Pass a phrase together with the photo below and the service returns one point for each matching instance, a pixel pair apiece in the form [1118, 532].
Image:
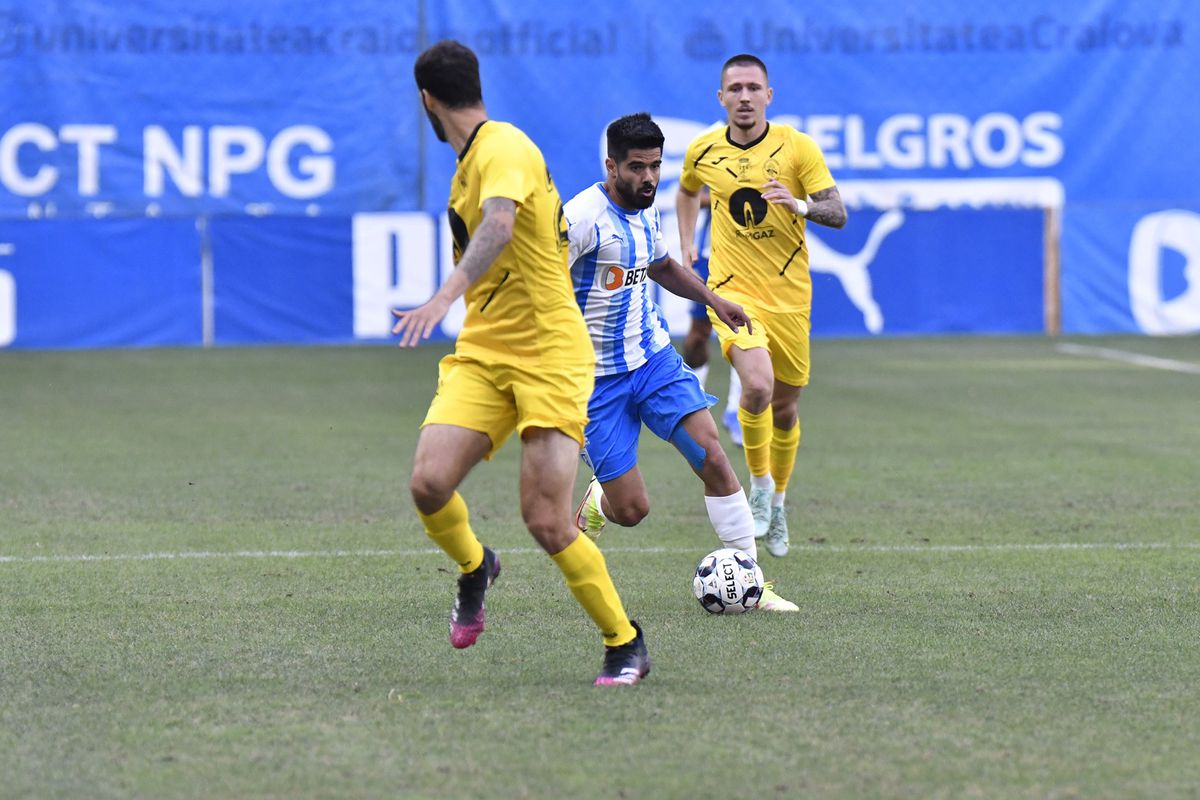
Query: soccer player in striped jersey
[767, 181]
[615, 246]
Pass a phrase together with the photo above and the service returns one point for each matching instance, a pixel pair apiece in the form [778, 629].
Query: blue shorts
[699, 310]
[659, 393]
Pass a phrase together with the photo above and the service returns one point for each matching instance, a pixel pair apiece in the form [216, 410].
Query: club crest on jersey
[771, 169]
[743, 167]
[615, 277]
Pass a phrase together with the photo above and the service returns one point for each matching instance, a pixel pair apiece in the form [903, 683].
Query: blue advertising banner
[1155, 290]
[900, 272]
[100, 283]
[153, 107]
[910, 273]
[291, 116]
[268, 290]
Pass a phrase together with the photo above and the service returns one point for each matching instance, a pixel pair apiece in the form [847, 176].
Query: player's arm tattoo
[492, 235]
[825, 208]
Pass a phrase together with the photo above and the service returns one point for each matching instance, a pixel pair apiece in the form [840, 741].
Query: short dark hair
[449, 71]
[743, 60]
[633, 131]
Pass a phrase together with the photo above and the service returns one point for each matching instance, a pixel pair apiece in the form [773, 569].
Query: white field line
[428, 551]
[1129, 358]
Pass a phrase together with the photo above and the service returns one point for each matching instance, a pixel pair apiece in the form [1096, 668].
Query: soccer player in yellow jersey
[523, 362]
[766, 182]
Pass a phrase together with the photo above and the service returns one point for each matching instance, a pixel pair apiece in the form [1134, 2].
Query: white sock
[731, 519]
[762, 482]
[777, 500]
[701, 373]
[735, 391]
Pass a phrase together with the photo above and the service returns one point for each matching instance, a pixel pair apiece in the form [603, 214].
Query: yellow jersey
[522, 309]
[759, 254]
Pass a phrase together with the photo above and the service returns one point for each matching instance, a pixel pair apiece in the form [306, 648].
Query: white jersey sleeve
[581, 232]
[660, 246]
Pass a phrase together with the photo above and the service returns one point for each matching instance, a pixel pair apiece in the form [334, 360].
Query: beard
[630, 197]
[438, 129]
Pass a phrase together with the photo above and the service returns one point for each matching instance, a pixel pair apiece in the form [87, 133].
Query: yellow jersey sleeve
[504, 171]
[811, 169]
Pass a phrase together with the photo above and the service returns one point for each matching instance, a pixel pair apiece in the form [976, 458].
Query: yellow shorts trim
[497, 398]
[784, 334]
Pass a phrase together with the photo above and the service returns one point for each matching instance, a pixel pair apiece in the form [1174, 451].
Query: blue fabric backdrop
[294, 129]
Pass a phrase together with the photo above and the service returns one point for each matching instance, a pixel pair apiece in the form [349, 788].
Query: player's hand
[417, 324]
[689, 254]
[731, 314]
[775, 192]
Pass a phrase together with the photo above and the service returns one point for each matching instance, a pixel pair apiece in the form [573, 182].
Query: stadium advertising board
[285, 135]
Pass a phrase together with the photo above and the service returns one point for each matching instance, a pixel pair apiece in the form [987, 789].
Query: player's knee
[756, 392]
[547, 527]
[714, 455]
[429, 492]
[630, 511]
[540, 522]
[783, 414]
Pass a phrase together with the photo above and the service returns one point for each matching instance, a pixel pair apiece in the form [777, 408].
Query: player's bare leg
[622, 500]
[445, 454]
[730, 418]
[757, 375]
[549, 460]
[707, 459]
[548, 463]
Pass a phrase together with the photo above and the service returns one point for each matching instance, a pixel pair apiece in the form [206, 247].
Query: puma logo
[851, 270]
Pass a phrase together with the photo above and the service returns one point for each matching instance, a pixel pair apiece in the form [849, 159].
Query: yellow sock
[756, 440]
[583, 566]
[450, 529]
[783, 455]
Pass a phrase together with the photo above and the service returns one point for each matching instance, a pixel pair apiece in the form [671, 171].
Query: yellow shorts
[496, 399]
[784, 334]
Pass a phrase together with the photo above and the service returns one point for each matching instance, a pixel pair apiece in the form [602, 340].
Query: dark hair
[743, 60]
[633, 131]
[449, 71]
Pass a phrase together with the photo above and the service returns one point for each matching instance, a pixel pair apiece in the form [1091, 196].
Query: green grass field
[212, 584]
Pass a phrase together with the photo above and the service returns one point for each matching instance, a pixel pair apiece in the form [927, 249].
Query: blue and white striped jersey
[610, 251]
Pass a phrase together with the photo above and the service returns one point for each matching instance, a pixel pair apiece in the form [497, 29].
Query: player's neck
[460, 125]
[746, 135]
[615, 198]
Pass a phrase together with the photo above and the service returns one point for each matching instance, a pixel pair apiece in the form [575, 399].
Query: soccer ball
[728, 581]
